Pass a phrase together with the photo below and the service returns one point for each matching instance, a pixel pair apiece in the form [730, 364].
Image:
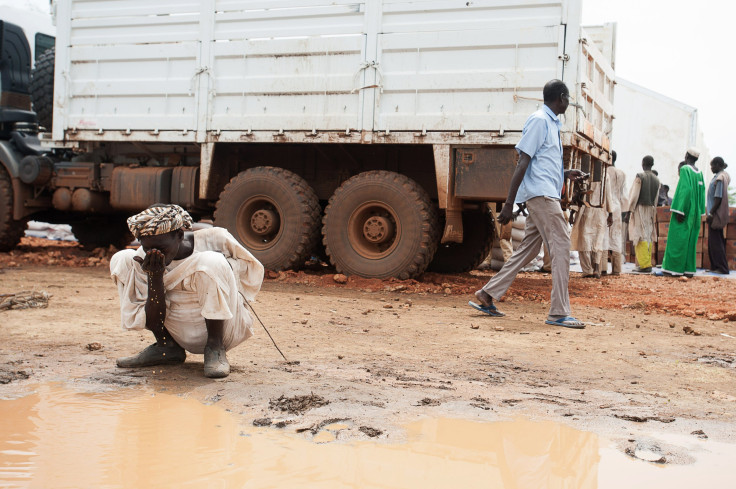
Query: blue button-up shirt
[540, 139]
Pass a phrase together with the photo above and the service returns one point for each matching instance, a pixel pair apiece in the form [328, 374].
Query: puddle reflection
[59, 438]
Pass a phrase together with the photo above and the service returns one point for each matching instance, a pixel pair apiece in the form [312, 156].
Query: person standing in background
[717, 206]
[688, 206]
[590, 232]
[641, 214]
[616, 203]
[664, 199]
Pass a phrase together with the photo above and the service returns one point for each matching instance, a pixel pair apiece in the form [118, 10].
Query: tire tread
[308, 203]
[42, 88]
[11, 230]
[420, 198]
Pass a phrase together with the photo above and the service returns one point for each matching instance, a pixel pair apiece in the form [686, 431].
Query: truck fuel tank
[86, 200]
[134, 189]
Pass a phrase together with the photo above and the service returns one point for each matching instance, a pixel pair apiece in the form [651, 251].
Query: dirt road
[384, 353]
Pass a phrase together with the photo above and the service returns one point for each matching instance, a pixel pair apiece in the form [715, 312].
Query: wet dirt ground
[374, 355]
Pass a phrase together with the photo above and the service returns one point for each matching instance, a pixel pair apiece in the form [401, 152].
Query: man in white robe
[590, 232]
[188, 289]
[616, 204]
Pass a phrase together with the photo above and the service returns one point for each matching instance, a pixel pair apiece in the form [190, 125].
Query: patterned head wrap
[159, 219]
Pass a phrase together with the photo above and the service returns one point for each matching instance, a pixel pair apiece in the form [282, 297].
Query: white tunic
[205, 285]
[590, 231]
[616, 204]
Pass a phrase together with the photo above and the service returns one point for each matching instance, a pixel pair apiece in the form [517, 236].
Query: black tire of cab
[42, 88]
[11, 230]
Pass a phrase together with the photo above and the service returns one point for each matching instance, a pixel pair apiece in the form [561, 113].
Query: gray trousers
[546, 224]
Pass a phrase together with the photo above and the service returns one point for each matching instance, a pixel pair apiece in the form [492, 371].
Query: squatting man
[187, 288]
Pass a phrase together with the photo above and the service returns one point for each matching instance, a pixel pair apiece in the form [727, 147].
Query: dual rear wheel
[377, 224]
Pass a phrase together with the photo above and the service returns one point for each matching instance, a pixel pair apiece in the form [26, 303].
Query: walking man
[717, 205]
[688, 206]
[186, 289]
[641, 214]
[537, 181]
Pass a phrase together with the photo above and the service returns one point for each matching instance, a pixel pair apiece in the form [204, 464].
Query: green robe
[682, 239]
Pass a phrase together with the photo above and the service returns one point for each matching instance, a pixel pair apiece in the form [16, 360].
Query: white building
[648, 123]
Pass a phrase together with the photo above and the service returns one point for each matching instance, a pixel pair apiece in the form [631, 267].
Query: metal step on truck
[370, 132]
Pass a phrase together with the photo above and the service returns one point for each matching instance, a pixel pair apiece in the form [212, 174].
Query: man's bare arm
[153, 265]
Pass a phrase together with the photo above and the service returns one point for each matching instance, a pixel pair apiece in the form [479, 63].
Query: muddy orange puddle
[57, 438]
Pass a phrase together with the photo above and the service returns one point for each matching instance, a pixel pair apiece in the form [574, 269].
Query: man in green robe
[688, 206]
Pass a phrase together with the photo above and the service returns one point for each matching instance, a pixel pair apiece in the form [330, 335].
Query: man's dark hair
[553, 89]
[647, 161]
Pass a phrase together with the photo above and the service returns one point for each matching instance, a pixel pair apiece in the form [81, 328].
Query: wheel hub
[377, 229]
[264, 221]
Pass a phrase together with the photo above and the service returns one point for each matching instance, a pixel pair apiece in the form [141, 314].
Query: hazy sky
[681, 49]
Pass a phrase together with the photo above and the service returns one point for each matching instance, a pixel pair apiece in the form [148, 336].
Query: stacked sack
[495, 259]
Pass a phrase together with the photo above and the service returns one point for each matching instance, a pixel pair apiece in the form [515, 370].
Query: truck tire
[380, 224]
[42, 88]
[478, 234]
[274, 213]
[10, 230]
[102, 232]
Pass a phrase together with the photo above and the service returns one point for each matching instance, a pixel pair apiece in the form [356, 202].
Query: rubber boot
[154, 355]
[216, 365]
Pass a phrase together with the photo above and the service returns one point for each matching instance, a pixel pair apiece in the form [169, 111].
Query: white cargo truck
[372, 132]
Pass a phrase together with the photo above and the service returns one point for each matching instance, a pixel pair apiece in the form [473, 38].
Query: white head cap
[693, 152]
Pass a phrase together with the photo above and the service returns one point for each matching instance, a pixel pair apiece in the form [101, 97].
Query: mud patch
[650, 450]
[643, 419]
[481, 403]
[26, 299]
[316, 428]
[725, 362]
[427, 401]
[371, 432]
[123, 380]
[297, 404]
[8, 375]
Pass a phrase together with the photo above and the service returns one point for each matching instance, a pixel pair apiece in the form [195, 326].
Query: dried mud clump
[429, 402]
[8, 376]
[372, 432]
[24, 300]
[297, 404]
